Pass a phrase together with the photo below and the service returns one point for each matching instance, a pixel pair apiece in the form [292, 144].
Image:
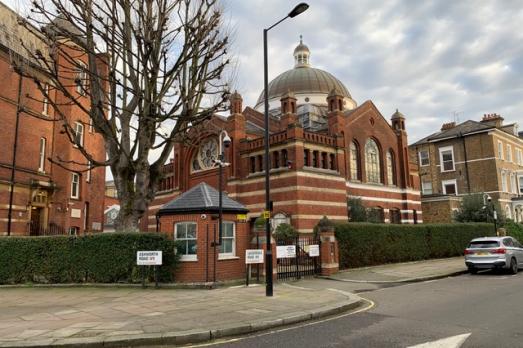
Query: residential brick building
[471, 157]
[324, 149]
[36, 195]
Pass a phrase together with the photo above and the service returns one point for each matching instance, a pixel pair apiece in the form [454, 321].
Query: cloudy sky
[433, 60]
[436, 61]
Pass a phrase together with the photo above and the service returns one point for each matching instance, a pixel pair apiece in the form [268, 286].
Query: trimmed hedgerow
[97, 258]
[366, 244]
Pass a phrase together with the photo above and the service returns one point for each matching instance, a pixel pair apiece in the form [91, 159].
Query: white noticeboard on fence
[285, 251]
[253, 256]
[314, 250]
[148, 258]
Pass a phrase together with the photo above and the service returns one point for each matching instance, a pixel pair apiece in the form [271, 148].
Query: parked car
[494, 253]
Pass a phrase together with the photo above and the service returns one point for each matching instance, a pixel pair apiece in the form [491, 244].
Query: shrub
[473, 209]
[514, 230]
[357, 212]
[98, 258]
[365, 244]
[285, 232]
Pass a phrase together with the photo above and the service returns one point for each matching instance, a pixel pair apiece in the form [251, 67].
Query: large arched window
[372, 162]
[354, 168]
[391, 177]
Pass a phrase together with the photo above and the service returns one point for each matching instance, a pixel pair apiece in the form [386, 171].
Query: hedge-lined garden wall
[515, 230]
[366, 244]
[98, 258]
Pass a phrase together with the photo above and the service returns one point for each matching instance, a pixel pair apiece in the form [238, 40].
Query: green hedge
[515, 230]
[97, 258]
[366, 244]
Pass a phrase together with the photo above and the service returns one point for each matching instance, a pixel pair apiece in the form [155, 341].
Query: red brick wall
[33, 125]
[203, 270]
[300, 191]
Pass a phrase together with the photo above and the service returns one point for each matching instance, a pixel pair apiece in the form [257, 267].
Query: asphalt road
[486, 309]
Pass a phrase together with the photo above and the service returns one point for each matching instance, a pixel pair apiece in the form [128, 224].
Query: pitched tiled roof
[199, 199]
[12, 34]
[464, 128]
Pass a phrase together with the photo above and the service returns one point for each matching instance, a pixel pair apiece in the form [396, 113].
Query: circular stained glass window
[208, 153]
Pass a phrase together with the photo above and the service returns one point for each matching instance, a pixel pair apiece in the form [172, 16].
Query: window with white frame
[500, 150]
[513, 183]
[519, 156]
[75, 185]
[450, 187]
[426, 187]
[185, 235]
[78, 134]
[41, 158]
[504, 187]
[80, 79]
[509, 153]
[88, 175]
[520, 179]
[45, 101]
[424, 158]
[228, 247]
[446, 158]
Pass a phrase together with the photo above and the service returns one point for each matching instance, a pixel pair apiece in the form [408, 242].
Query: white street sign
[314, 250]
[253, 256]
[148, 258]
[285, 251]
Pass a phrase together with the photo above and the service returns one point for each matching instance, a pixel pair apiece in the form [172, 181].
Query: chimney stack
[448, 125]
[492, 120]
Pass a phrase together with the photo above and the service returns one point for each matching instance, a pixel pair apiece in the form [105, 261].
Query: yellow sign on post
[241, 217]
[266, 214]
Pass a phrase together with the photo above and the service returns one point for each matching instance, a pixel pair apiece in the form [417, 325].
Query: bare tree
[151, 70]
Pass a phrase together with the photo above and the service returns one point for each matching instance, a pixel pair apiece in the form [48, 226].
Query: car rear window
[484, 244]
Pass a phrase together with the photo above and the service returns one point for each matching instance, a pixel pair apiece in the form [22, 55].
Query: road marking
[449, 342]
[371, 305]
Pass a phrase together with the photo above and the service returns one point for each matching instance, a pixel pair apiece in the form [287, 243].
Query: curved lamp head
[300, 8]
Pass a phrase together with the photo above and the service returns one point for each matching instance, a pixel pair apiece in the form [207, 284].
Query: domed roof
[304, 79]
[396, 115]
[301, 47]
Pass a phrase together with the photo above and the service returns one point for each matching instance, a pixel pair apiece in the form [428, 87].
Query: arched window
[354, 168]
[372, 161]
[391, 177]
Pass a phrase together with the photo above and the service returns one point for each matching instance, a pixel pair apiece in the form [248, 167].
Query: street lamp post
[224, 141]
[268, 253]
[488, 200]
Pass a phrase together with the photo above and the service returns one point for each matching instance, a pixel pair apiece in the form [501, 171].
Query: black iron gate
[302, 264]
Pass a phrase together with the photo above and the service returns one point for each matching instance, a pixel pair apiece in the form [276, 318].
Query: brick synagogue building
[36, 195]
[324, 149]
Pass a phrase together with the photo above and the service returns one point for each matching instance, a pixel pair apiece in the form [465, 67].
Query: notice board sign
[253, 256]
[148, 258]
[285, 251]
[314, 250]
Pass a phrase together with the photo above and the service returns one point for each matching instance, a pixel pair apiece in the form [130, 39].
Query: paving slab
[104, 316]
[404, 272]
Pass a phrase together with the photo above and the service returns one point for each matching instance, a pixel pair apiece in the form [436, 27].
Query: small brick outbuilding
[192, 220]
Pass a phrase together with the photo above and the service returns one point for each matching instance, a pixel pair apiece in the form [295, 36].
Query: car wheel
[473, 270]
[513, 266]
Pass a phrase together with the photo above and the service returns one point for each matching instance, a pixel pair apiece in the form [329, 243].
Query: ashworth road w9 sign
[148, 258]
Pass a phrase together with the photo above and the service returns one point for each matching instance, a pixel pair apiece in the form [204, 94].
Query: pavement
[404, 272]
[89, 316]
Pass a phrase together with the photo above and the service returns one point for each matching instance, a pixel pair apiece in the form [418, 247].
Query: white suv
[494, 253]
